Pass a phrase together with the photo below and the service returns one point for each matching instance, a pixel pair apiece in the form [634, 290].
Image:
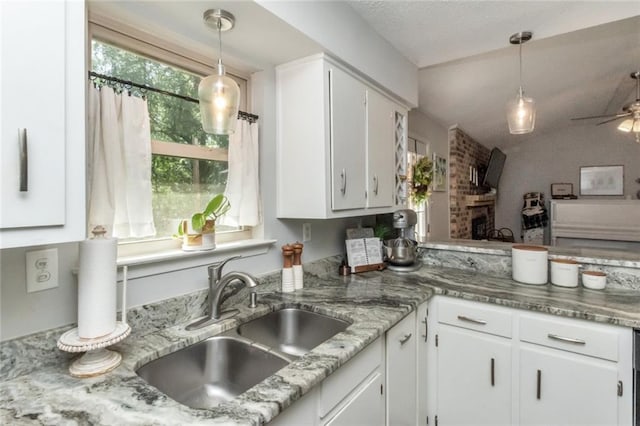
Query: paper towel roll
[97, 287]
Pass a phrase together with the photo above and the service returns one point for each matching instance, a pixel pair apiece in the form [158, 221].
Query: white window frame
[129, 38]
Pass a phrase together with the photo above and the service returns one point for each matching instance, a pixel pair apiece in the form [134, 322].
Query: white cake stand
[97, 360]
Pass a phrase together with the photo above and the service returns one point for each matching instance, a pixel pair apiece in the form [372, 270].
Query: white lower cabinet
[422, 365]
[561, 388]
[495, 365]
[365, 408]
[351, 396]
[474, 378]
[401, 372]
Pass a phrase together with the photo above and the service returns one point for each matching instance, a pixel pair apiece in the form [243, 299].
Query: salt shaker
[297, 265]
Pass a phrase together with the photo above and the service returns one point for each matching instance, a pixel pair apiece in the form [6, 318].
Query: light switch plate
[42, 269]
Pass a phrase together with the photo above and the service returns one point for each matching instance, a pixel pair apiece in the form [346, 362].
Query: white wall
[425, 129]
[557, 157]
[344, 34]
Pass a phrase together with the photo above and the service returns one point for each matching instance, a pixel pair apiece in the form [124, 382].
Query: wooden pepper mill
[287, 270]
[297, 265]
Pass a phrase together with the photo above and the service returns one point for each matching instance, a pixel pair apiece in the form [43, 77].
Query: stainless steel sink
[211, 372]
[292, 331]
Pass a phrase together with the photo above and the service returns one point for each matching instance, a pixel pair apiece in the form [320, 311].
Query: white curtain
[119, 164]
[243, 190]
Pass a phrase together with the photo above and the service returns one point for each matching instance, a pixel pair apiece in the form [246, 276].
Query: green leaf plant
[422, 177]
[217, 206]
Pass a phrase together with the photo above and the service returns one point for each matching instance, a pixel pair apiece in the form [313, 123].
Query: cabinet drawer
[571, 335]
[349, 376]
[475, 316]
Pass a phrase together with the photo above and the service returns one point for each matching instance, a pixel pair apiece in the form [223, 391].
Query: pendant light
[219, 94]
[521, 111]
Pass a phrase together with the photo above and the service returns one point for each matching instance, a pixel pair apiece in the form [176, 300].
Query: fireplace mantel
[484, 200]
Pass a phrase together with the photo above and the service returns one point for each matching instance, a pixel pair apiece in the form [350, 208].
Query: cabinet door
[348, 141]
[380, 150]
[401, 372]
[422, 336]
[561, 388]
[474, 378]
[33, 88]
[366, 408]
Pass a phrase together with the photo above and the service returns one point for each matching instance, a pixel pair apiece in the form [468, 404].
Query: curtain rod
[127, 84]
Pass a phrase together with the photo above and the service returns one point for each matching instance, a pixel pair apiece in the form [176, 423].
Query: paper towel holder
[97, 360]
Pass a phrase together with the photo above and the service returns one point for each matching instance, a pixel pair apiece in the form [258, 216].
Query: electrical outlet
[306, 232]
[42, 269]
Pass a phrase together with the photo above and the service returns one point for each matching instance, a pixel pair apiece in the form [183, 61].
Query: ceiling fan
[631, 111]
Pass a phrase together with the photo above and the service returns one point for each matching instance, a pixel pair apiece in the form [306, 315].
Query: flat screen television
[494, 168]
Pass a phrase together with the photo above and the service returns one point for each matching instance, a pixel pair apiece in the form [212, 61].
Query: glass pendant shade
[521, 114]
[630, 125]
[219, 97]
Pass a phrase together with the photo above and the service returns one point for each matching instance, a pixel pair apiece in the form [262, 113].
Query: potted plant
[421, 182]
[199, 232]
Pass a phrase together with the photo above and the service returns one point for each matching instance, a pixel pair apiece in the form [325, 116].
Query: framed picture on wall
[602, 180]
[439, 173]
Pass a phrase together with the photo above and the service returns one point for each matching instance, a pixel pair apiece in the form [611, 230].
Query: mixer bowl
[400, 251]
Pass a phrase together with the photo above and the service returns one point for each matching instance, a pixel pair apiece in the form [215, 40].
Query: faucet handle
[215, 270]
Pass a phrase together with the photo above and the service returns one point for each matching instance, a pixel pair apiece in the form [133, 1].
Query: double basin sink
[221, 367]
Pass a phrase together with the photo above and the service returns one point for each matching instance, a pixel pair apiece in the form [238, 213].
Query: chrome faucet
[217, 284]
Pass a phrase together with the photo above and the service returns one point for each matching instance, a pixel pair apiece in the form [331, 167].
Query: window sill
[142, 265]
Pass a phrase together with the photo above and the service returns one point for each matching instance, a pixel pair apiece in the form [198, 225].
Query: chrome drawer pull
[566, 339]
[473, 320]
[405, 339]
[24, 160]
[343, 178]
[426, 328]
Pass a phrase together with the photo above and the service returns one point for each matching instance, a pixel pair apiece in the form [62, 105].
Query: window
[417, 150]
[188, 165]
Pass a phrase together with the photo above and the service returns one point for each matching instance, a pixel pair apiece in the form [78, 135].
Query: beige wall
[557, 157]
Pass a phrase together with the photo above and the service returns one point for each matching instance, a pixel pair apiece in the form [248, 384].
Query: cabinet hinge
[436, 340]
[620, 388]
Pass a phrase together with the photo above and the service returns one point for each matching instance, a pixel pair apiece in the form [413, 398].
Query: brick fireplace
[464, 152]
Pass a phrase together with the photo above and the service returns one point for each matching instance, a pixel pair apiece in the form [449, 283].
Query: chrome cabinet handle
[343, 177]
[426, 329]
[405, 339]
[24, 160]
[493, 371]
[566, 339]
[375, 184]
[473, 320]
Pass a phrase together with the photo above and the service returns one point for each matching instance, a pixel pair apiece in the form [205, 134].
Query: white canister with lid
[594, 280]
[564, 272]
[529, 264]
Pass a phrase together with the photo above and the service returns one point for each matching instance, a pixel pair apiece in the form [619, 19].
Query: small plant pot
[201, 239]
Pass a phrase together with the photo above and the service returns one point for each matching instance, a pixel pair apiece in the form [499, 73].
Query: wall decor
[439, 173]
[602, 180]
[561, 190]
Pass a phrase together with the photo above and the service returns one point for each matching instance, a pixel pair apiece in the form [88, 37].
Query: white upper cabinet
[42, 117]
[336, 142]
[348, 140]
[380, 150]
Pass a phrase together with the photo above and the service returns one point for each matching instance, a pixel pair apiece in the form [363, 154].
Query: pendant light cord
[520, 44]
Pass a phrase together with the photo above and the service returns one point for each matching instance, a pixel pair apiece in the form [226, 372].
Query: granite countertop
[43, 393]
